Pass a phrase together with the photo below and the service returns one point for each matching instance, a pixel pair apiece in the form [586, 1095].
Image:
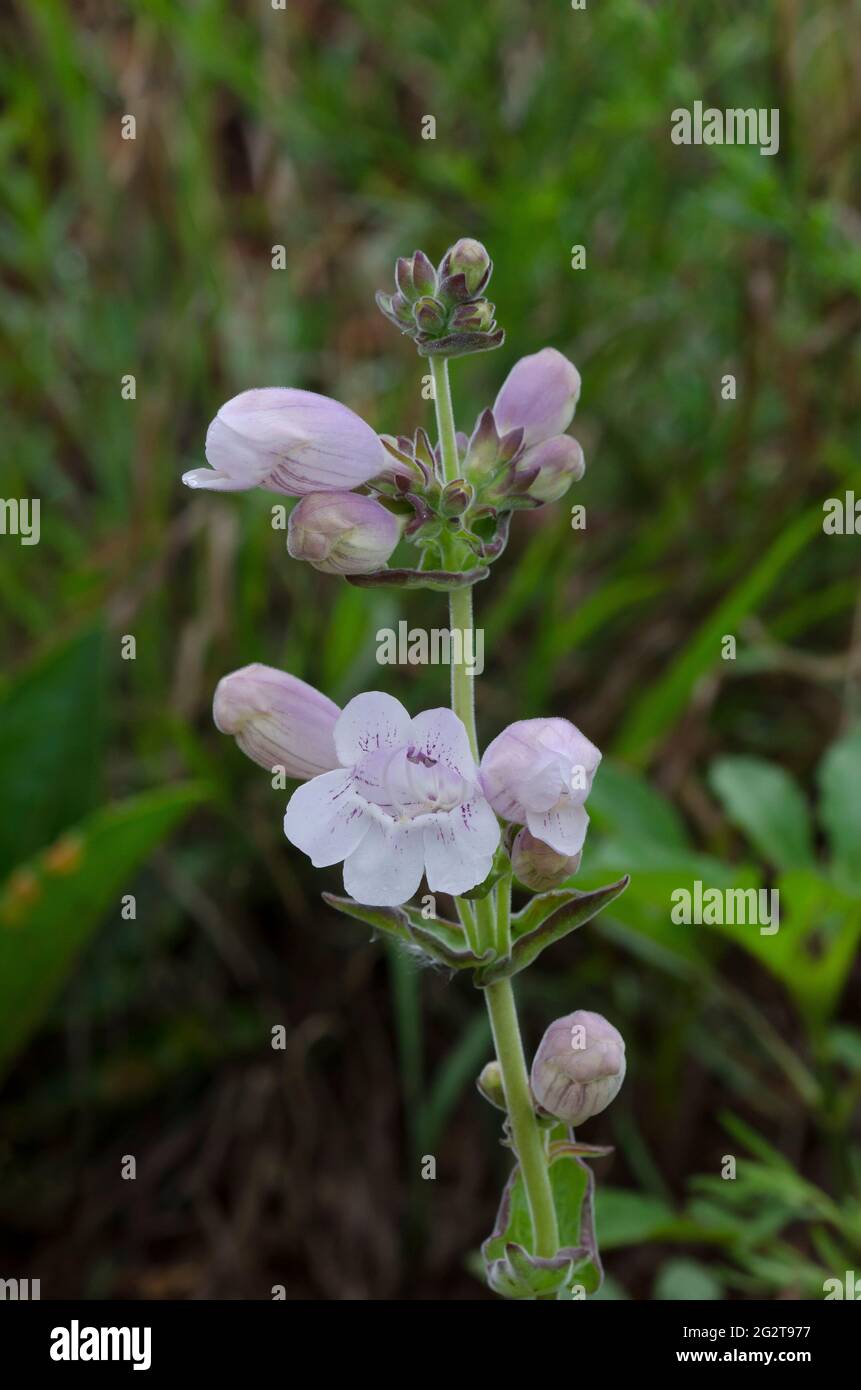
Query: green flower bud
[489, 1083]
[469, 259]
[456, 497]
[429, 314]
[476, 316]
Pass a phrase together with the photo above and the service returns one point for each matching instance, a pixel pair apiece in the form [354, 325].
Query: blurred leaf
[50, 907]
[683, 1280]
[630, 1218]
[458, 1068]
[840, 805]
[763, 801]
[623, 802]
[814, 947]
[656, 712]
[51, 735]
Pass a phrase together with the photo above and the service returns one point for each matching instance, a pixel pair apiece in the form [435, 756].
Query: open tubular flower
[277, 720]
[579, 1067]
[405, 801]
[538, 773]
[288, 441]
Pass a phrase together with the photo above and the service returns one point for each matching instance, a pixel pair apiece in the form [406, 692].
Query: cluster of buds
[517, 457]
[361, 493]
[444, 310]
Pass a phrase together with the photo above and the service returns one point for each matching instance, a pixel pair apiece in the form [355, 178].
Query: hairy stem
[491, 915]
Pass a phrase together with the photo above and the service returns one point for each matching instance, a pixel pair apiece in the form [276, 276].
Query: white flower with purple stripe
[406, 801]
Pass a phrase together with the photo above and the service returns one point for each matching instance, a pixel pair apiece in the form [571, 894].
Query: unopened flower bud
[429, 314]
[476, 317]
[489, 1083]
[424, 275]
[537, 866]
[579, 1067]
[539, 395]
[456, 497]
[538, 773]
[342, 532]
[559, 462]
[469, 259]
[278, 720]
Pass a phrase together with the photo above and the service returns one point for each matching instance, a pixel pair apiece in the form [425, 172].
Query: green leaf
[51, 731]
[579, 909]
[50, 907]
[512, 1271]
[623, 802]
[391, 921]
[445, 942]
[631, 1218]
[665, 700]
[840, 805]
[683, 1280]
[763, 801]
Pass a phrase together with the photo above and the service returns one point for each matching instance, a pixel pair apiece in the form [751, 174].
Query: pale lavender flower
[405, 801]
[289, 441]
[277, 720]
[538, 773]
[559, 462]
[579, 1067]
[342, 532]
[539, 396]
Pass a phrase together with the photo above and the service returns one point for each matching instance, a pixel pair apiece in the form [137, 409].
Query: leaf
[687, 1280]
[623, 802]
[631, 1218]
[439, 580]
[512, 1270]
[814, 946]
[765, 802]
[579, 909]
[51, 730]
[666, 699]
[51, 907]
[444, 942]
[389, 920]
[839, 776]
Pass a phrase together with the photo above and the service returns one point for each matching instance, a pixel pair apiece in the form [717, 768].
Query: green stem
[493, 928]
[525, 1134]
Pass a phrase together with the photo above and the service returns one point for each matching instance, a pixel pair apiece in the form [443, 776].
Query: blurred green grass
[153, 257]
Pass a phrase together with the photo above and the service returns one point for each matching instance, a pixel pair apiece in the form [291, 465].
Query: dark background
[151, 1036]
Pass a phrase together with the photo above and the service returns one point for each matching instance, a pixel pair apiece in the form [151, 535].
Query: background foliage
[153, 257]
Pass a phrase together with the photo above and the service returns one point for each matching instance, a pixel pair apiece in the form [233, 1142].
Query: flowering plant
[400, 798]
